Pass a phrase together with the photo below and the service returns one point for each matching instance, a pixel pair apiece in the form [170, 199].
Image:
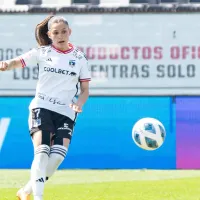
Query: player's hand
[76, 107]
[3, 66]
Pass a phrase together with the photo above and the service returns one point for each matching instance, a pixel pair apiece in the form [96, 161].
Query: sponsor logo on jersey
[59, 71]
[52, 100]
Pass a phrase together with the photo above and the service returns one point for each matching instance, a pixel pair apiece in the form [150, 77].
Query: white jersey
[59, 75]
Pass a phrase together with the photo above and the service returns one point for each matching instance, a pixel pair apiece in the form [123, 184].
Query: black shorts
[47, 120]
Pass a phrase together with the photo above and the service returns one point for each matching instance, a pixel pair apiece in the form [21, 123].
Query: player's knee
[59, 149]
[41, 156]
[62, 138]
[56, 157]
[59, 152]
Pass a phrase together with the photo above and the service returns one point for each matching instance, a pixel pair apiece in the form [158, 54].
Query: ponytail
[41, 32]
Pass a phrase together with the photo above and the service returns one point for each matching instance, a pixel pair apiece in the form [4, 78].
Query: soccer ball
[148, 133]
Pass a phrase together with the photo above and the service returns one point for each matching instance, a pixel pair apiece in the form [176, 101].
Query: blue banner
[102, 137]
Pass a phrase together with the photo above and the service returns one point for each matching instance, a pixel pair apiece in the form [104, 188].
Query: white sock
[38, 198]
[56, 157]
[38, 170]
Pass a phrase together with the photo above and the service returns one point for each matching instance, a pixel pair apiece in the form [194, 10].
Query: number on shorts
[35, 120]
[37, 113]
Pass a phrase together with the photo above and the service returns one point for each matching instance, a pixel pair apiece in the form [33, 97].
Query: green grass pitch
[109, 184]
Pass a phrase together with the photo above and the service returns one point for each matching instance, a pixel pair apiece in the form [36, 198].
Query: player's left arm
[82, 98]
[84, 79]
[84, 94]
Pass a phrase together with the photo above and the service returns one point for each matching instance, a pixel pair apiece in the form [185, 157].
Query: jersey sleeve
[85, 74]
[30, 58]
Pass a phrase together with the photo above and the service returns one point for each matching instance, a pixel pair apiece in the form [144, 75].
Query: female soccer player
[53, 110]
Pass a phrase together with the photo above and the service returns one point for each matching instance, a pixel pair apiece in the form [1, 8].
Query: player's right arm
[10, 64]
[29, 58]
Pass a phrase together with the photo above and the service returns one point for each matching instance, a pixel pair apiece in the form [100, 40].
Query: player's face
[59, 34]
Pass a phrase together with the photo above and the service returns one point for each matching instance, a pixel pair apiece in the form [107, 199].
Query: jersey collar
[65, 52]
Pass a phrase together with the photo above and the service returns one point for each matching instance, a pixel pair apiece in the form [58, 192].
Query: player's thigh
[64, 131]
[42, 137]
[40, 126]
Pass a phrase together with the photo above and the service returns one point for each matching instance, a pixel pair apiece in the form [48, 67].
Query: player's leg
[25, 192]
[41, 141]
[39, 123]
[57, 155]
[60, 142]
[59, 147]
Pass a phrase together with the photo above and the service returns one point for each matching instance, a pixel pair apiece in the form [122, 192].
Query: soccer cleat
[21, 195]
